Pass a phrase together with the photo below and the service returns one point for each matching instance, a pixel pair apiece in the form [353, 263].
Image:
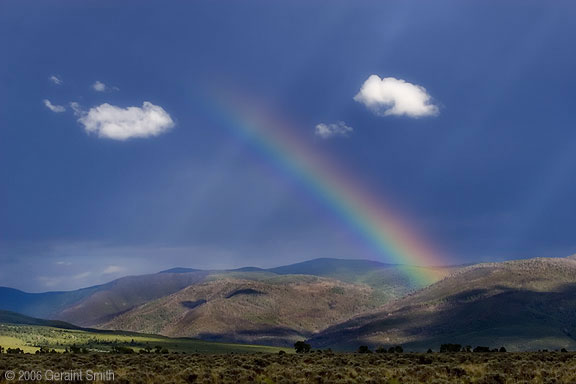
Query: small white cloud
[81, 276]
[76, 108]
[55, 79]
[52, 107]
[395, 97]
[49, 282]
[327, 131]
[99, 86]
[113, 269]
[111, 122]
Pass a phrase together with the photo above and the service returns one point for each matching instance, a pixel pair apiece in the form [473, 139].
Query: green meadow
[30, 338]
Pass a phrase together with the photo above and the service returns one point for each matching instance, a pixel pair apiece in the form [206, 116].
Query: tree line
[303, 347]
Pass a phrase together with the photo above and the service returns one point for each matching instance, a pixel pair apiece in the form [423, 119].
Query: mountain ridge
[525, 304]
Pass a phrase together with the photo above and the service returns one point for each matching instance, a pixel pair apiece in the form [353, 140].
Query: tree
[450, 348]
[502, 349]
[122, 349]
[381, 350]
[396, 349]
[43, 350]
[302, 347]
[481, 349]
[429, 351]
[364, 349]
[1, 349]
[563, 350]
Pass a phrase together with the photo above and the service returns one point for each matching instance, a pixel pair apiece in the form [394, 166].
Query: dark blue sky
[488, 177]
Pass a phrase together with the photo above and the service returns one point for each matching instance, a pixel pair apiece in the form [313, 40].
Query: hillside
[524, 305]
[89, 305]
[391, 280]
[265, 309]
[30, 337]
[100, 304]
[44, 305]
[7, 317]
[121, 295]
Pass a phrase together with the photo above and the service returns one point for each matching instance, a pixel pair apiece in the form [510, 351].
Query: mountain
[390, 280]
[100, 303]
[88, 306]
[182, 301]
[523, 305]
[271, 309]
[7, 317]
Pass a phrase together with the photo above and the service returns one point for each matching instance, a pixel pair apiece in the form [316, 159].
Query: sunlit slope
[523, 304]
[30, 337]
[90, 305]
[266, 309]
[101, 304]
[391, 280]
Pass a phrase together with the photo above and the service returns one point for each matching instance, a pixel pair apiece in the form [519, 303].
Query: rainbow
[377, 225]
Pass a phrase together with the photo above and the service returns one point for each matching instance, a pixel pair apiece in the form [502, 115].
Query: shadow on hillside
[277, 336]
[192, 304]
[497, 313]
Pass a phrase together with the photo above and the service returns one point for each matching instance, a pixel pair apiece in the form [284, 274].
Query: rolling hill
[266, 309]
[89, 305]
[523, 305]
[100, 304]
[29, 334]
[7, 317]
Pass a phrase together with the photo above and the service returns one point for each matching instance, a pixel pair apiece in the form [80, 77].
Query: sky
[115, 160]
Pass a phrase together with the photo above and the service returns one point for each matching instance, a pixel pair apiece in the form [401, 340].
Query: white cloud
[76, 108]
[55, 79]
[395, 97]
[52, 107]
[327, 131]
[112, 269]
[99, 86]
[81, 276]
[111, 122]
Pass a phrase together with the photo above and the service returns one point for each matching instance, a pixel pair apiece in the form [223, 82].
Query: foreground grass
[489, 368]
[31, 338]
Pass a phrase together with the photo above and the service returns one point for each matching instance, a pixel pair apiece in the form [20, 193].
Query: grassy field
[409, 368]
[30, 338]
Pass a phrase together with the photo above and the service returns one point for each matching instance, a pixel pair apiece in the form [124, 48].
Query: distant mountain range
[272, 306]
[523, 305]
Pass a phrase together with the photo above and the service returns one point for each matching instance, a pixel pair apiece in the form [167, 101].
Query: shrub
[302, 347]
[450, 348]
[364, 349]
[381, 350]
[396, 349]
[122, 349]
